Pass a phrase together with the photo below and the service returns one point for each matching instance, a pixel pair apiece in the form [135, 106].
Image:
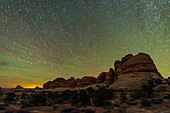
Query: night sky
[41, 40]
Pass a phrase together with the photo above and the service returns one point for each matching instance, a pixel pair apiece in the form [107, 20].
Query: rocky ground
[163, 107]
[58, 109]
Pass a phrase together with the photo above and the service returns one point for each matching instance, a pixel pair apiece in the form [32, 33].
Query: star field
[44, 39]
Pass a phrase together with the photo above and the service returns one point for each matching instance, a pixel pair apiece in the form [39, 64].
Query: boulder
[85, 81]
[46, 85]
[145, 102]
[139, 63]
[106, 77]
[68, 83]
[19, 87]
[53, 84]
[156, 101]
[59, 79]
[117, 64]
[101, 77]
[71, 78]
[134, 71]
[127, 57]
[109, 77]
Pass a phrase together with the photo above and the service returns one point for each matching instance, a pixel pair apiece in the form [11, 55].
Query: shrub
[74, 98]
[123, 97]
[9, 111]
[1, 92]
[137, 94]
[67, 110]
[24, 95]
[55, 107]
[2, 108]
[76, 111]
[145, 102]
[90, 90]
[102, 96]
[53, 97]
[23, 106]
[89, 111]
[132, 103]
[157, 81]
[59, 100]
[39, 99]
[10, 97]
[147, 90]
[65, 95]
[156, 101]
[166, 97]
[22, 111]
[84, 97]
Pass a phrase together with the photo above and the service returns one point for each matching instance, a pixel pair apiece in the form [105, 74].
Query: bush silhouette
[10, 97]
[137, 94]
[123, 97]
[53, 97]
[24, 96]
[74, 98]
[84, 97]
[90, 91]
[102, 97]
[66, 95]
[39, 99]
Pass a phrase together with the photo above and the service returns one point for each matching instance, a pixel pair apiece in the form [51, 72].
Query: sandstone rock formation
[19, 87]
[110, 76]
[85, 81]
[130, 74]
[134, 71]
[101, 77]
[107, 77]
[61, 82]
[104, 77]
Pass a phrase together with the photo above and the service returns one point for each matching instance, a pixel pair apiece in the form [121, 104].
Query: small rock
[145, 102]
[2, 108]
[166, 97]
[76, 111]
[89, 111]
[55, 107]
[116, 105]
[23, 106]
[67, 110]
[9, 111]
[22, 111]
[156, 101]
[132, 103]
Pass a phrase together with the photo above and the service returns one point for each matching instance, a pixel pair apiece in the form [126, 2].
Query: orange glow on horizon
[32, 87]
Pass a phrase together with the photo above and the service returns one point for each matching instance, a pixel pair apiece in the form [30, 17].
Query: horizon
[44, 40]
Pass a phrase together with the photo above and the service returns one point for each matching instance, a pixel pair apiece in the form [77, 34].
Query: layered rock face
[134, 71]
[61, 82]
[131, 73]
[104, 77]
